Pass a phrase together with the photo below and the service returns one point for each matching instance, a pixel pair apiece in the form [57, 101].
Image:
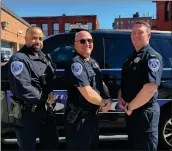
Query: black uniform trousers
[36, 125]
[142, 127]
[83, 134]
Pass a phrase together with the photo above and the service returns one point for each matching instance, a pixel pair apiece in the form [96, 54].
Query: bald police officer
[86, 95]
[30, 77]
[141, 76]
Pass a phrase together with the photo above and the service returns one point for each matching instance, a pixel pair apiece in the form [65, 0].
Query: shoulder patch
[154, 64]
[76, 68]
[16, 67]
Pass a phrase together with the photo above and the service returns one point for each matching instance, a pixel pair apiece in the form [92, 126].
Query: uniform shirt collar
[26, 50]
[82, 57]
[143, 49]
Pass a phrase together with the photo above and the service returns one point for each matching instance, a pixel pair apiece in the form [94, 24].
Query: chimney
[137, 14]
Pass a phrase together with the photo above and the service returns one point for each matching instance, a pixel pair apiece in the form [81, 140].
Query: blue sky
[105, 10]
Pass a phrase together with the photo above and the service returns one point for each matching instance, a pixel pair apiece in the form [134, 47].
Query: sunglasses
[83, 41]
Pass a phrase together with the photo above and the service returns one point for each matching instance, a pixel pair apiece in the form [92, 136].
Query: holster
[17, 108]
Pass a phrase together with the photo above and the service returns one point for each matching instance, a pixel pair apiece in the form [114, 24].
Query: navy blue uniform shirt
[80, 73]
[140, 68]
[24, 74]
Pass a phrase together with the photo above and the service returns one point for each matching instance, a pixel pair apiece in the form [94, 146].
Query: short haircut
[142, 22]
[76, 31]
[32, 27]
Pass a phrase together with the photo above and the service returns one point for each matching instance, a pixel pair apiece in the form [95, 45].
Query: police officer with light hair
[31, 75]
[141, 76]
[87, 93]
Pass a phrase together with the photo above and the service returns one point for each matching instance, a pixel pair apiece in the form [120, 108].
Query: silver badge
[137, 59]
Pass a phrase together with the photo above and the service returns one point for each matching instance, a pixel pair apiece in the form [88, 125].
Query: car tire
[165, 130]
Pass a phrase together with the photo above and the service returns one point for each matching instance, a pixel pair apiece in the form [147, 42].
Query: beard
[35, 48]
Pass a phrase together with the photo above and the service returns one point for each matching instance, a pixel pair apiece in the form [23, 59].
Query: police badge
[137, 59]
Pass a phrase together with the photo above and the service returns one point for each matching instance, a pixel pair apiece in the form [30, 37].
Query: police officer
[30, 77]
[141, 76]
[85, 96]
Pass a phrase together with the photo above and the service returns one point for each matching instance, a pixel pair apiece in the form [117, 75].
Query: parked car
[111, 48]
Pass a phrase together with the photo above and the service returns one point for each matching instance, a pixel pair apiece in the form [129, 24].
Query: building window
[45, 29]
[7, 47]
[129, 22]
[78, 23]
[117, 24]
[67, 27]
[32, 24]
[167, 8]
[55, 28]
[89, 26]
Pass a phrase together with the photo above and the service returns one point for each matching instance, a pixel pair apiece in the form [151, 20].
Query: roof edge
[59, 16]
[3, 7]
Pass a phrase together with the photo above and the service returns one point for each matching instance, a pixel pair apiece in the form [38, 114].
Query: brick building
[58, 24]
[164, 15]
[13, 30]
[128, 23]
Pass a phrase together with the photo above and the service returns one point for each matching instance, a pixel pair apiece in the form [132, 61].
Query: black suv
[111, 48]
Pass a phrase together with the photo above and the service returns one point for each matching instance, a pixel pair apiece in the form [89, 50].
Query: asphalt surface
[104, 145]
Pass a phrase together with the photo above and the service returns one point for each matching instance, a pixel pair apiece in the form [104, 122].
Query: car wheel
[165, 131]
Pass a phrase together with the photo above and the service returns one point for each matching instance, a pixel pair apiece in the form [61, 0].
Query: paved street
[104, 145]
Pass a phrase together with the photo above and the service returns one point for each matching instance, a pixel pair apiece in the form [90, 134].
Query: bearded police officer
[86, 91]
[141, 76]
[30, 77]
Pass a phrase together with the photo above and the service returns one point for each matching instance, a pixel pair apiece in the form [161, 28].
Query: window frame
[167, 11]
[44, 29]
[55, 23]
